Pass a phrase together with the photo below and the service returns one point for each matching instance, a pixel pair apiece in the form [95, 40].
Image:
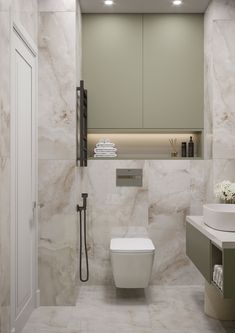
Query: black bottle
[184, 149]
[191, 147]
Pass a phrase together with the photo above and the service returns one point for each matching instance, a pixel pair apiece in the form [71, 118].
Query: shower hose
[82, 218]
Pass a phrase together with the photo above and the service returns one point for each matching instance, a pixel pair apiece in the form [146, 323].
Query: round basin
[220, 216]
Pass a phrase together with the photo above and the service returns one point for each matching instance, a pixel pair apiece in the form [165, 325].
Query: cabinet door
[112, 70]
[173, 71]
[229, 273]
[198, 249]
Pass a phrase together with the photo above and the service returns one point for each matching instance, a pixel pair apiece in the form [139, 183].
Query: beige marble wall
[4, 167]
[26, 12]
[220, 89]
[57, 172]
[171, 190]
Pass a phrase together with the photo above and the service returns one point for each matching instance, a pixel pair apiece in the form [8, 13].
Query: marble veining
[4, 84]
[224, 89]
[219, 79]
[58, 181]
[4, 244]
[221, 9]
[105, 309]
[156, 210]
[57, 85]
[5, 167]
[26, 11]
[56, 5]
[172, 189]
[223, 169]
[58, 232]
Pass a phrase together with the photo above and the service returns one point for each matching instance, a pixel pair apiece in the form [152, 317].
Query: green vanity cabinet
[204, 252]
[198, 249]
[112, 70]
[173, 71]
[229, 273]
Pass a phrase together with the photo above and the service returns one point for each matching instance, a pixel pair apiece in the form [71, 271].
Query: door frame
[17, 30]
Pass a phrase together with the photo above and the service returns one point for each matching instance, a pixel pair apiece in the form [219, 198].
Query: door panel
[23, 182]
[112, 70]
[198, 249]
[173, 71]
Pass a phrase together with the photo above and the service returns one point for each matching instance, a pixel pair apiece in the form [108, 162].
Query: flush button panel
[129, 177]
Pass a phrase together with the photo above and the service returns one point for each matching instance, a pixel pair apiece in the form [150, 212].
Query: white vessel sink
[220, 216]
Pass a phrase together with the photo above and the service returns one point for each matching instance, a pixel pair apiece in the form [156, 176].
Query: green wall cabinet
[173, 71]
[112, 70]
[143, 71]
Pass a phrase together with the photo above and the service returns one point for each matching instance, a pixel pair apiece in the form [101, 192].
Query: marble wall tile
[5, 167]
[208, 91]
[4, 5]
[57, 5]
[172, 190]
[58, 232]
[169, 188]
[219, 83]
[59, 180]
[5, 84]
[221, 9]
[201, 177]
[112, 211]
[224, 170]
[56, 187]
[78, 42]
[171, 266]
[224, 88]
[58, 276]
[4, 245]
[26, 11]
[57, 82]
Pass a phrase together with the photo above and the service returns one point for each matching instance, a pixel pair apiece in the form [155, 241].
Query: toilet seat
[131, 245]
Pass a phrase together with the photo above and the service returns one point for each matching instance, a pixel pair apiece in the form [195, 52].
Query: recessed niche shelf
[147, 146]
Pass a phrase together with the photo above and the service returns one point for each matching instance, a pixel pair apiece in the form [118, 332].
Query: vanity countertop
[223, 239]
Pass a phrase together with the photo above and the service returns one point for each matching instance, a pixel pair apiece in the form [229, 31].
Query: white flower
[232, 189]
[223, 191]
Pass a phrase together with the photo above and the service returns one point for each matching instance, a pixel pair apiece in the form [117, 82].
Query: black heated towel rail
[81, 115]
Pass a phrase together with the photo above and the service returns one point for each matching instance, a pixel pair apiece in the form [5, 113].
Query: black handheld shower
[82, 222]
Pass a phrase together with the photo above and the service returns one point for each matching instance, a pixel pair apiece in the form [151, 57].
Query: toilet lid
[131, 245]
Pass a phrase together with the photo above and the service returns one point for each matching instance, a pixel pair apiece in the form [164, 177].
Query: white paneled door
[23, 188]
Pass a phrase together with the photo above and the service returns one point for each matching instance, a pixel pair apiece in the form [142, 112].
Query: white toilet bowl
[132, 261]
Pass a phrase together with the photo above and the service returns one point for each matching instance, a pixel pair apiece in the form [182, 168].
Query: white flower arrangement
[225, 191]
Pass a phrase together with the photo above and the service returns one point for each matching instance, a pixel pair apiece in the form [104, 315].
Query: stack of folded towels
[105, 148]
[218, 276]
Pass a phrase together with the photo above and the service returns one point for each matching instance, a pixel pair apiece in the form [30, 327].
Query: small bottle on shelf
[191, 147]
[183, 149]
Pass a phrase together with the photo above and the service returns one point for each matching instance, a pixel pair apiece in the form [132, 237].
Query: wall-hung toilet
[132, 261]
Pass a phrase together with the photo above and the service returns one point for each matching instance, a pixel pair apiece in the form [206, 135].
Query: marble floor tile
[103, 309]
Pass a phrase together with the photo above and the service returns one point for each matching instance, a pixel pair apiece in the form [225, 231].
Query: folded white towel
[104, 140]
[111, 150]
[105, 155]
[105, 145]
[218, 276]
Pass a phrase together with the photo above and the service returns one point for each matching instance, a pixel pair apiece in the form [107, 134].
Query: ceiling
[144, 6]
